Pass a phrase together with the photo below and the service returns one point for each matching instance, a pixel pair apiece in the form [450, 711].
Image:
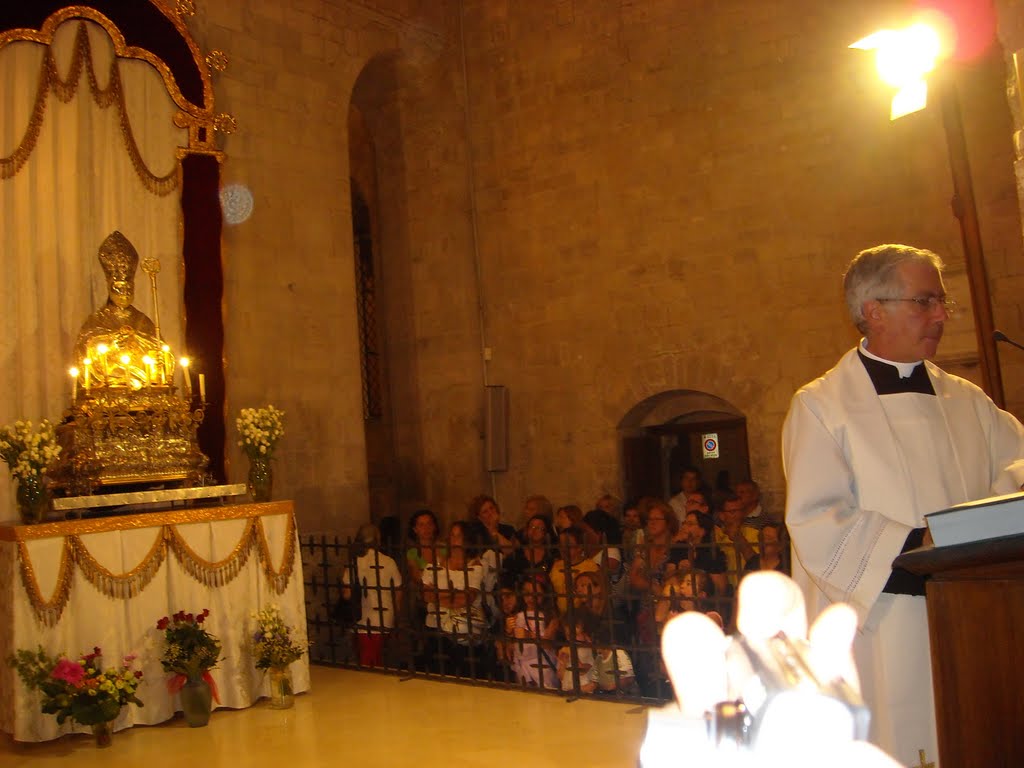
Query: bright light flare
[912, 97]
[903, 56]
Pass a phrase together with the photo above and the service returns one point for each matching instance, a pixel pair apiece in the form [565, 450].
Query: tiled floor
[365, 719]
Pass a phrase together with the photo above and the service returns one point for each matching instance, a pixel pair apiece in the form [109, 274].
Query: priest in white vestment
[869, 448]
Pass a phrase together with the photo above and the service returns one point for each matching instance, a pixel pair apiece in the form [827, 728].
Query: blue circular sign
[710, 444]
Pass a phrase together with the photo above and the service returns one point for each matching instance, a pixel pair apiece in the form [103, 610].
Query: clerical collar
[889, 379]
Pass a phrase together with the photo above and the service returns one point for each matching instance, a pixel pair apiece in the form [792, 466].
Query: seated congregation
[568, 602]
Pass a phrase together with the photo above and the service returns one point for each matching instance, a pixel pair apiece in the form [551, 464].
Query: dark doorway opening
[666, 433]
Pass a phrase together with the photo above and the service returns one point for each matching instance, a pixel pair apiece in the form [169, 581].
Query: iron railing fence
[607, 634]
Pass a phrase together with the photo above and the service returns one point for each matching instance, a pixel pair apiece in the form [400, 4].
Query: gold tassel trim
[124, 586]
[48, 612]
[65, 90]
[121, 586]
[279, 579]
[209, 573]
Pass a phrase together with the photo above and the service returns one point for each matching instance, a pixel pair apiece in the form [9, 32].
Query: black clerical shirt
[887, 381]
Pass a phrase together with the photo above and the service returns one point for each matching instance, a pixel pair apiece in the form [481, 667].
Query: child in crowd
[510, 607]
[682, 591]
[535, 628]
[602, 668]
[572, 669]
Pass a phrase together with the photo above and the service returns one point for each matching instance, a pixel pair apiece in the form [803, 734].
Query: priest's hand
[706, 674]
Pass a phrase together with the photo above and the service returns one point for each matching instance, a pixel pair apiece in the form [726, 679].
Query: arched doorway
[665, 433]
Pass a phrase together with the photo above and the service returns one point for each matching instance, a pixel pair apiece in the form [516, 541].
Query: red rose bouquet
[190, 651]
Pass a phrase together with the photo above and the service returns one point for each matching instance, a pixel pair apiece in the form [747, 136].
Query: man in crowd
[871, 447]
[690, 482]
[750, 494]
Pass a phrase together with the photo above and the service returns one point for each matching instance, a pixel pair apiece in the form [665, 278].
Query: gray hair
[367, 538]
[873, 275]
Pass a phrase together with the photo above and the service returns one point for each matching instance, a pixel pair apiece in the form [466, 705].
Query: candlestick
[188, 378]
[87, 364]
[125, 360]
[148, 361]
[102, 349]
[74, 384]
[202, 388]
[167, 363]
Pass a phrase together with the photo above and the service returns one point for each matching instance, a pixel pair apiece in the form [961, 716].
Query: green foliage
[188, 649]
[81, 690]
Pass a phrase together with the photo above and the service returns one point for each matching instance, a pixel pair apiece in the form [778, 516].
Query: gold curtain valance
[166, 539]
[65, 90]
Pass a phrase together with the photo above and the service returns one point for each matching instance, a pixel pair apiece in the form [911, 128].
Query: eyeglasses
[929, 303]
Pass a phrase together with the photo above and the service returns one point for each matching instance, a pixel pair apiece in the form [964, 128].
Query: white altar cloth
[248, 555]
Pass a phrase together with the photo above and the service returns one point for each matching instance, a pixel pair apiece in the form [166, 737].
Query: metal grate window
[366, 308]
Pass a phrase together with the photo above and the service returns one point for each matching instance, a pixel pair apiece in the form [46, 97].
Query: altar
[72, 585]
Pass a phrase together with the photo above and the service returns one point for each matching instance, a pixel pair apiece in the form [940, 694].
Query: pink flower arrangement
[81, 690]
[70, 672]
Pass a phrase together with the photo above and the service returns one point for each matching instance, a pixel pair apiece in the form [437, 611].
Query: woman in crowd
[653, 564]
[657, 558]
[502, 537]
[455, 607]
[696, 541]
[567, 517]
[603, 538]
[538, 552]
[424, 549]
[773, 550]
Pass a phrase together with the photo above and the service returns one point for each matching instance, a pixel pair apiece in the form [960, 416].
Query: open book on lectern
[978, 520]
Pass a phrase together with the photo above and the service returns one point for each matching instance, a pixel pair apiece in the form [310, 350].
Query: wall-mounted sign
[710, 445]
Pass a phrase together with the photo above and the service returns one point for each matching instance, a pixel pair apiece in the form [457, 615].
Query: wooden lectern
[976, 625]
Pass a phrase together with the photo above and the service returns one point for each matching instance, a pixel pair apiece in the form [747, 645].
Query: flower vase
[281, 696]
[33, 499]
[196, 699]
[102, 732]
[261, 478]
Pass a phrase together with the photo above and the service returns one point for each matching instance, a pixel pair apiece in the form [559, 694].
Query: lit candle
[149, 369]
[167, 363]
[188, 377]
[74, 384]
[125, 360]
[102, 349]
[202, 388]
[87, 364]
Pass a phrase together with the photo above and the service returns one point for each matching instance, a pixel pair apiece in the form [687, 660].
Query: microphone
[1000, 336]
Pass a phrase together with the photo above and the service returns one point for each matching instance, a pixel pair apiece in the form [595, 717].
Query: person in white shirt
[871, 447]
[690, 482]
[380, 589]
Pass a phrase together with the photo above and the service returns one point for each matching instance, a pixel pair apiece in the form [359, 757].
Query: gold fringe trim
[124, 586]
[48, 612]
[279, 579]
[121, 586]
[65, 90]
[209, 573]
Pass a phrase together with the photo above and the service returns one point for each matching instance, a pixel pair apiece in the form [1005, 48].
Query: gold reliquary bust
[128, 424]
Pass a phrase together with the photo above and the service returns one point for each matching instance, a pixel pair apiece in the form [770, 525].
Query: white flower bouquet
[259, 430]
[27, 451]
[272, 642]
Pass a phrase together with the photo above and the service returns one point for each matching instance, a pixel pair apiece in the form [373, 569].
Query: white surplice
[862, 471]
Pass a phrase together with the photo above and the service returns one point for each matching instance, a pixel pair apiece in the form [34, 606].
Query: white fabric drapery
[77, 186]
[120, 626]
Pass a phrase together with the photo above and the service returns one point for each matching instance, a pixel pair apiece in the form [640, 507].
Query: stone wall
[614, 198]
